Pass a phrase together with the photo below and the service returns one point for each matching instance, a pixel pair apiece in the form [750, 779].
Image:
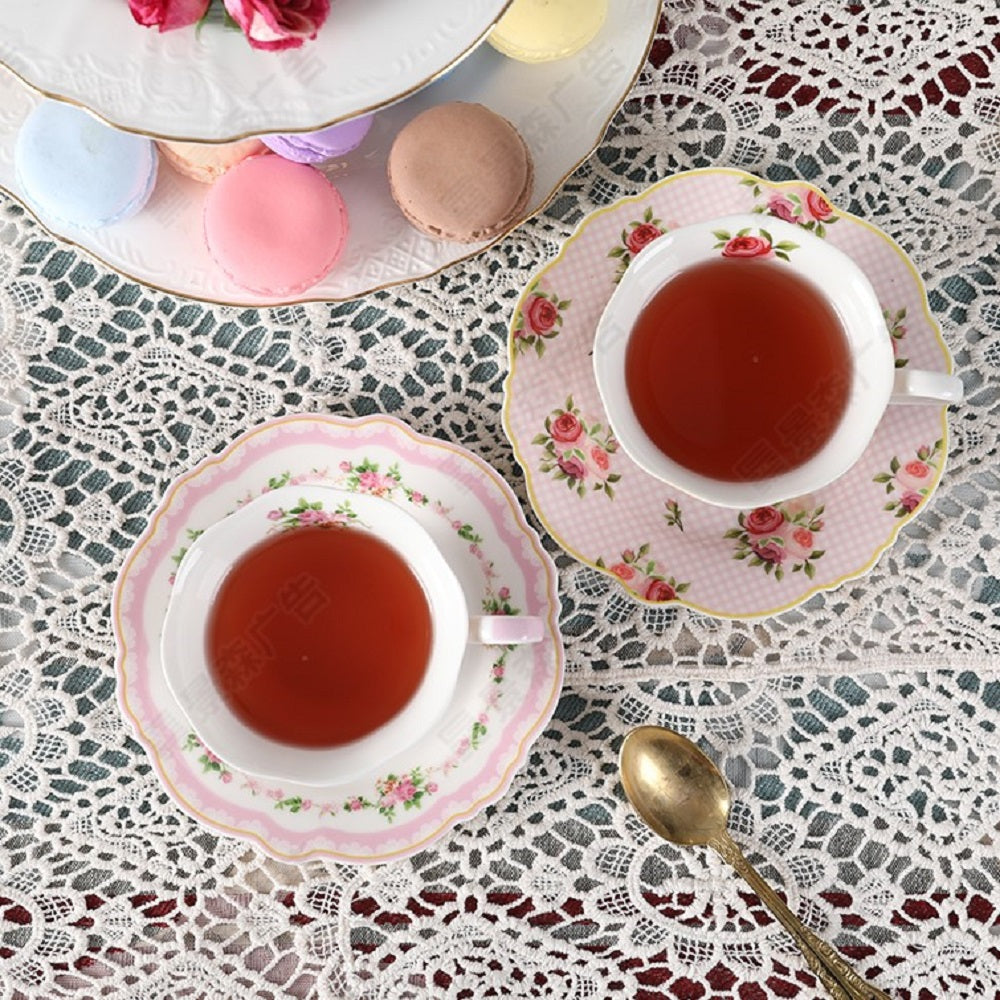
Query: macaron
[78, 171]
[324, 144]
[545, 30]
[207, 161]
[461, 172]
[275, 227]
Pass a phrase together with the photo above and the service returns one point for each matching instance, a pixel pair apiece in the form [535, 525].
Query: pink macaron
[275, 227]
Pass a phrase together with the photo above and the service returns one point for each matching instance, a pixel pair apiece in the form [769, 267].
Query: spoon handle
[842, 982]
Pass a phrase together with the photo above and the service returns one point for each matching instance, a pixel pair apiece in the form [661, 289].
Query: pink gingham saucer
[662, 545]
[503, 697]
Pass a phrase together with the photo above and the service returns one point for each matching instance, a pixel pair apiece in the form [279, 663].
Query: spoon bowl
[682, 797]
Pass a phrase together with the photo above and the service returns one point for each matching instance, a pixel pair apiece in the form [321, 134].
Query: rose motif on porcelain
[780, 538]
[909, 482]
[635, 237]
[578, 453]
[539, 319]
[643, 576]
[743, 244]
[799, 204]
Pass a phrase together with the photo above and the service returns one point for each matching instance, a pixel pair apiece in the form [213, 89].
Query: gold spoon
[681, 796]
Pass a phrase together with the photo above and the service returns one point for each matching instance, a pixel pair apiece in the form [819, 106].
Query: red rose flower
[278, 24]
[909, 501]
[565, 428]
[642, 236]
[819, 208]
[600, 458]
[772, 552]
[782, 207]
[746, 246]
[167, 14]
[622, 571]
[572, 466]
[540, 314]
[764, 520]
[659, 590]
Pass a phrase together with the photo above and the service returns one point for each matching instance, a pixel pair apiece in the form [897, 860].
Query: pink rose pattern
[166, 15]
[312, 514]
[278, 24]
[780, 538]
[576, 453]
[894, 322]
[743, 244]
[393, 791]
[796, 203]
[539, 319]
[643, 577]
[910, 482]
[635, 237]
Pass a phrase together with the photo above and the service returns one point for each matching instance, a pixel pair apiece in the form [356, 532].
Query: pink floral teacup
[185, 646]
[872, 381]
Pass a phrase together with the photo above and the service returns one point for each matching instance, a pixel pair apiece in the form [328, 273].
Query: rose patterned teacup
[190, 658]
[869, 381]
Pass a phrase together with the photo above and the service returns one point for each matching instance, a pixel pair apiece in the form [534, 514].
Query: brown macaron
[461, 172]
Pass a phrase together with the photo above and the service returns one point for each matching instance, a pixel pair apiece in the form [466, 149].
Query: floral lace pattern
[859, 732]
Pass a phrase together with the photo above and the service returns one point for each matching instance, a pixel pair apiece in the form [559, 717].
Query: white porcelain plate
[561, 109]
[503, 697]
[210, 85]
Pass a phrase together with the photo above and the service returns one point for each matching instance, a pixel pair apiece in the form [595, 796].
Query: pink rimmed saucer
[503, 697]
[662, 545]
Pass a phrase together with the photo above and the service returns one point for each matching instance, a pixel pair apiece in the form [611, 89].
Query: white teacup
[185, 653]
[874, 380]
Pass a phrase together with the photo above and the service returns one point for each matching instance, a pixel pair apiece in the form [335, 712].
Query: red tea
[738, 369]
[318, 636]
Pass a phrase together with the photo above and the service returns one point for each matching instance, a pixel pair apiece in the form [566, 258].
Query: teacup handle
[916, 386]
[505, 630]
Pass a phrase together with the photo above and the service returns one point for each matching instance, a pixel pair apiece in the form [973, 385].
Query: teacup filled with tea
[746, 361]
[313, 633]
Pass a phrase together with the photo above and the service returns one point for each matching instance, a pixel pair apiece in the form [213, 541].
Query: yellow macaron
[544, 30]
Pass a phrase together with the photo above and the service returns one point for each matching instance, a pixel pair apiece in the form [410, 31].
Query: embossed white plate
[503, 697]
[561, 109]
[210, 85]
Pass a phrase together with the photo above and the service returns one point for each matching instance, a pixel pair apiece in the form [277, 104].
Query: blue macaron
[76, 170]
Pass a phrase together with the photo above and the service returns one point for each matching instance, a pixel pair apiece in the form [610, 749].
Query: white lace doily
[859, 731]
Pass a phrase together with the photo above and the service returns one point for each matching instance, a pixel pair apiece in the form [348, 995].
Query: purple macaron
[325, 144]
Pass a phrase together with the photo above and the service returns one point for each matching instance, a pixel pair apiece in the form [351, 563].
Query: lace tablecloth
[859, 731]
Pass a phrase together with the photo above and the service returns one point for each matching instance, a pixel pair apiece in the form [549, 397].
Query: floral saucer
[661, 544]
[504, 695]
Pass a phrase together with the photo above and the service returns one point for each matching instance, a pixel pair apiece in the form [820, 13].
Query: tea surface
[738, 369]
[319, 635]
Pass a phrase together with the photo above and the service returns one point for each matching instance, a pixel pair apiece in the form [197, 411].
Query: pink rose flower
[354, 805]
[764, 520]
[274, 515]
[799, 543]
[909, 501]
[746, 246]
[572, 466]
[600, 458]
[659, 590]
[642, 236]
[915, 475]
[311, 517]
[345, 466]
[504, 593]
[306, 804]
[431, 787]
[622, 571]
[819, 208]
[167, 14]
[416, 497]
[565, 429]
[278, 24]
[540, 314]
[780, 206]
[226, 777]
[772, 552]
[498, 670]
[483, 718]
